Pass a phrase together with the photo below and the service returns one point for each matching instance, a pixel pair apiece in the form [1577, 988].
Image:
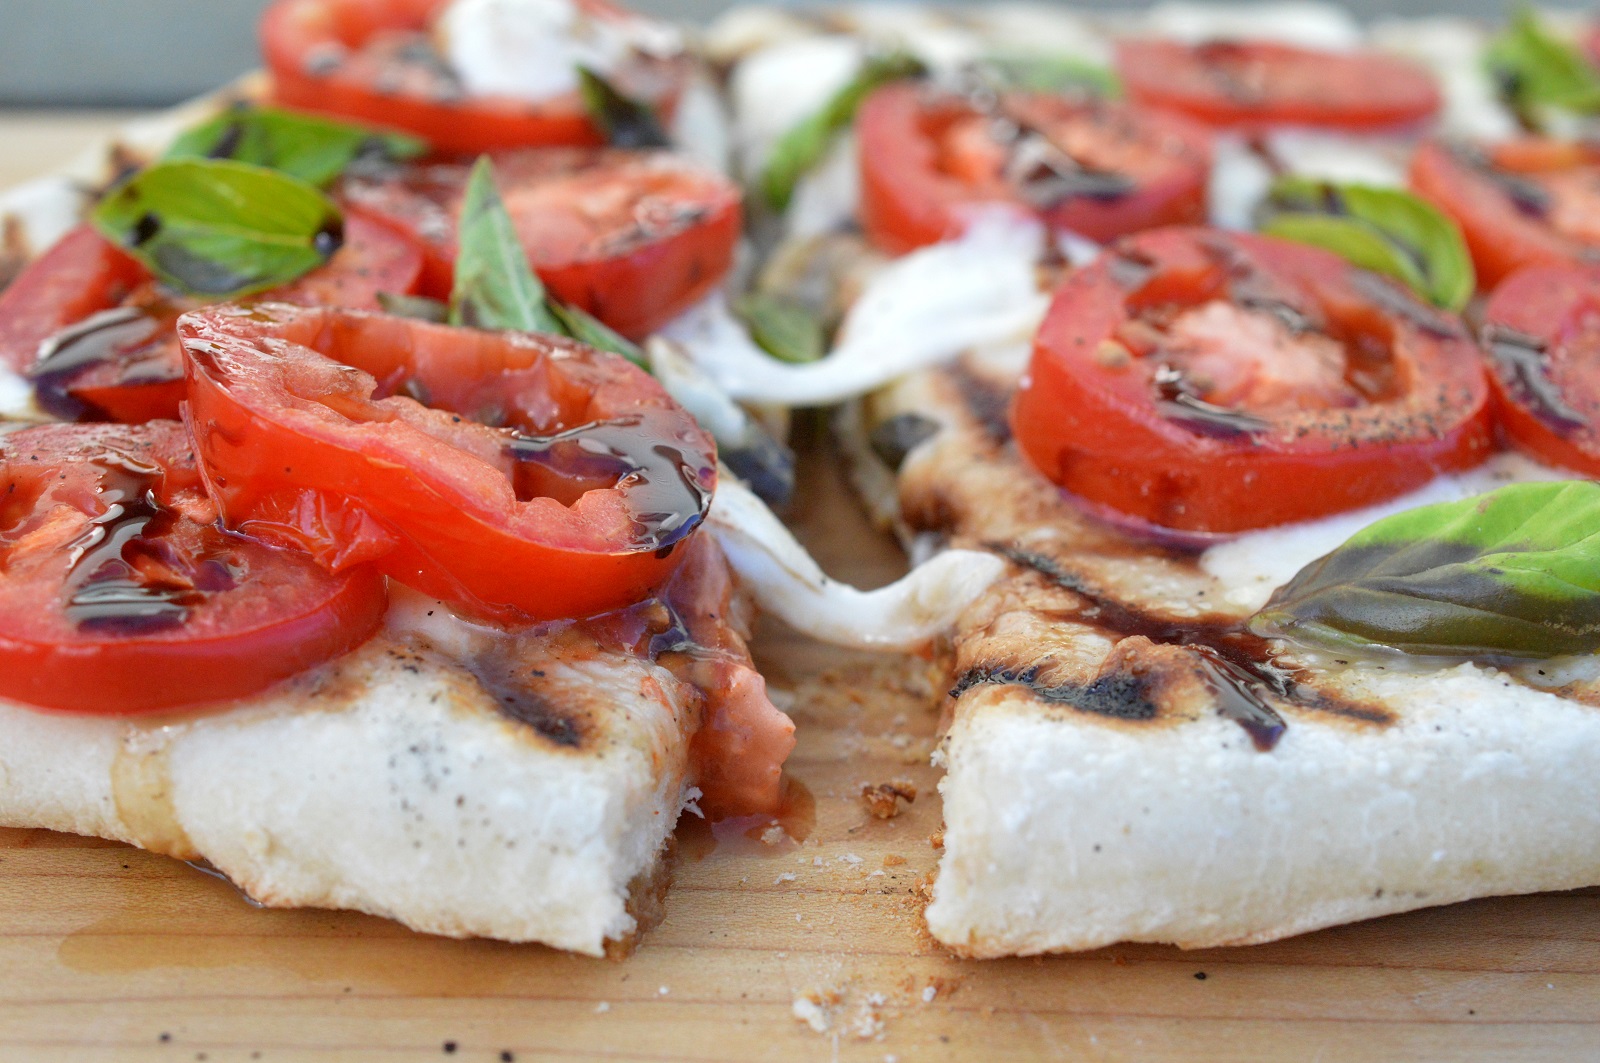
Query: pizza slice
[1137, 748]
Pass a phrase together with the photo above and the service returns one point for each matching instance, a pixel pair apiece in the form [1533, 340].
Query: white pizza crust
[391, 782]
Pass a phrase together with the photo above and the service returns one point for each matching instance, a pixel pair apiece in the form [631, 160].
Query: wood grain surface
[108, 953]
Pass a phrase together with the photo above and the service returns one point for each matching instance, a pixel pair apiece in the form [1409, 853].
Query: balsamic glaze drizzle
[1234, 663]
[1522, 363]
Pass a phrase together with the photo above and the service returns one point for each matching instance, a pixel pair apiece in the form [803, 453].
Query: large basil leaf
[804, 145]
[1535, 69]
[217, 228]
[626, 122]
[316, 150]
[1048, 72]
[1512, 573]
[494, 287]
[1382, 229]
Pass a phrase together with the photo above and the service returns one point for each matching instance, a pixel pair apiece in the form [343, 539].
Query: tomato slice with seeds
[121, 594]
[1100, 169]
[1217, 382]
[1518, 202]
[97, 335]
[1256, 85]
[1541, 333]
[633, 237]
[374, 61]
[542, 480]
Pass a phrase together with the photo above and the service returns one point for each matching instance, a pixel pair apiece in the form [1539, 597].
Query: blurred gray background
[139, 53]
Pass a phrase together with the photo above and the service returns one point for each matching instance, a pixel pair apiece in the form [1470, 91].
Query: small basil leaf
[1385, 230]
[1512, 573]
[418, 307]
[1048, 72]
[783, 328]
[494, 287]
[218, 228]
[805, 144]
[586, 328]
[316, 150]
[1535, 69]
[626, 122]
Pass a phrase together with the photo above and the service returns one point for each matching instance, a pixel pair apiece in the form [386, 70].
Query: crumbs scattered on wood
[883, 800]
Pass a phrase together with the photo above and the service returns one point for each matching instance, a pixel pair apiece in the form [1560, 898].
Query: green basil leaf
[781, 327]
[1534, 69]
[1048, 72]
[626, 122]
[316, 150]
[586, 328]
[1382, 229]
[218, 228]
[494, 287]
[804, 145]
[417, 307]
[1512, 573]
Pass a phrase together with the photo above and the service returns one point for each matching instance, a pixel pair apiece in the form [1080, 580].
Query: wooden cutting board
[791, 952]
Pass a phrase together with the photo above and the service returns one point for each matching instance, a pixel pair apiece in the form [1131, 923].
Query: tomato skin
[272, 616]
[1502, 236]
[294, 33]
[633, 237]
[1558, 306]
[79, 274]
[1257, 85]
[911, 197]
[298, 450]
[1092, 423]
[139, 376]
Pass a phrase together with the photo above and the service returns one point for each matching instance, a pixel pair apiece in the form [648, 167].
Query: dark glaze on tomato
[95, 333]
[1218, 382]
[1541, 334]
[633, 237]
[1256, 85]
[542, 479]
[122, 595]
[1100, 169]
[373, 61]
[1518, 202]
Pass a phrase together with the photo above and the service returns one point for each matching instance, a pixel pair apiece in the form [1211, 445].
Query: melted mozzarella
[787, 583]
[920, 310]
[825, 199]
[1041, 29]
[1308, 25]
[531, 49]
[1254, 565]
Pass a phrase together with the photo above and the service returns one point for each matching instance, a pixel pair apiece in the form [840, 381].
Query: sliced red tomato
[122, 595]
[1100, 169]
[78, 275]
[1218, 382]
[542, 480]
[374, 61]
[1520, 202]
[633, 237]
[97, 335]
[1541, 333]
[739, 751]
[1255, 85]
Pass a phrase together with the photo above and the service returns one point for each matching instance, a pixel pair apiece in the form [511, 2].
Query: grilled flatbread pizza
[1192, 712]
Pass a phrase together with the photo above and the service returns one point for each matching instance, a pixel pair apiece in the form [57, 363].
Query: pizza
[390, 443]
[1186, 713]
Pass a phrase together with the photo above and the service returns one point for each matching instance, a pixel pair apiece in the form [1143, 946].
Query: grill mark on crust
[1246, 684]
[988, 403]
